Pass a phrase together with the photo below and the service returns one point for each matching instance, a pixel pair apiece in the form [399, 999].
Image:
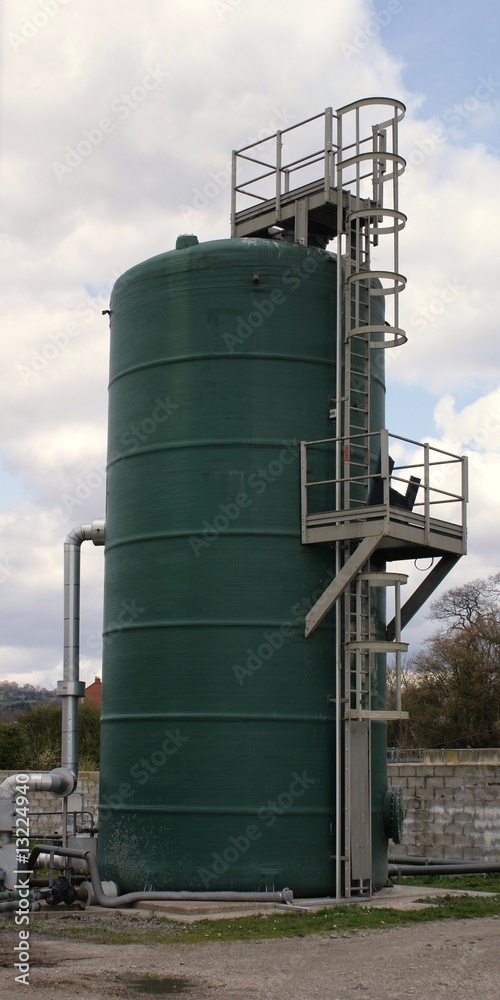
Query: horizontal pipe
[410, 859]
[59, 782]
[462, 868]
[79, 865]
[9, 906]
[285, 896]
[9, 894]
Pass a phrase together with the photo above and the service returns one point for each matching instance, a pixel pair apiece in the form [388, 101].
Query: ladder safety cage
[345, 189]
[271, 177]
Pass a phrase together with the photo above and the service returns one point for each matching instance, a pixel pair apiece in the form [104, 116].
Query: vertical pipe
[65, 822]
[397, 634]
[71, 688]
[71, 663]
[338, 545]
[340, 329]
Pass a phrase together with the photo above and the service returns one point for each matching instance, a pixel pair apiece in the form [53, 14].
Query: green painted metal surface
[218, 736]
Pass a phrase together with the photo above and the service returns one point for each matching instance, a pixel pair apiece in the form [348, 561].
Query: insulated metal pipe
[62, 780]
[79, 865]
[71, 688]
[285, 896]
[58, 782]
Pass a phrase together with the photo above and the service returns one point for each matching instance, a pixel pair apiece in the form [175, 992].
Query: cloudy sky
[115, 119]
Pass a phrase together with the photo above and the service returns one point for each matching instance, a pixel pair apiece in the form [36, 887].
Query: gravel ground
[450, 958]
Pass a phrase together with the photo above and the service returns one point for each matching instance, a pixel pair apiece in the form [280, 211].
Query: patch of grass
[489, 882]
[113, 928]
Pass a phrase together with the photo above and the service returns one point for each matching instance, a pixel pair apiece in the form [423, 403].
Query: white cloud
[474, 432]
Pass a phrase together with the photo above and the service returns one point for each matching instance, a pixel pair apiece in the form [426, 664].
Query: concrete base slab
[397, 897]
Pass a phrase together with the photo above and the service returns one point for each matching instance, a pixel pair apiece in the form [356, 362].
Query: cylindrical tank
[218, 728]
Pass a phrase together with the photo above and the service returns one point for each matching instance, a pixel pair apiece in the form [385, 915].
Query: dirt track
[451, 958]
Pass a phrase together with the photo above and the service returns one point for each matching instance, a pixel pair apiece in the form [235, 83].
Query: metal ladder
[361, 648]
[358, 629]
[356, 738]
[356, 377]
[366, 218]
[363, 228]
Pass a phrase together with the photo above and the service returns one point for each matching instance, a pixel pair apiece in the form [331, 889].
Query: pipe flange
[70, 689]
[394, 814]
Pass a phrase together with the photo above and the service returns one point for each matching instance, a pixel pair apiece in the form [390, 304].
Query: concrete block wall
[452, 810]
[86, 797]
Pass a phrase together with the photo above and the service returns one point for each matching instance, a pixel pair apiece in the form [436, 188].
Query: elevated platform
[319, 208]
[399, 505]
[391, 512]
[321, 193]
[403, 534]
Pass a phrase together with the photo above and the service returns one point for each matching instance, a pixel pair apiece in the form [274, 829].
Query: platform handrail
[341, 158]
[422, 472]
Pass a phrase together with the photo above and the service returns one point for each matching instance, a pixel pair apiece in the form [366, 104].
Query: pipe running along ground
[457, 868]
[127, 899]
[413, 859]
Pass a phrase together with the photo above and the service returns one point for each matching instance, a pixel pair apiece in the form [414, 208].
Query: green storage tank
[218, 730]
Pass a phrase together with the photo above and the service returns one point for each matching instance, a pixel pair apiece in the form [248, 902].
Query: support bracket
[341, 581]
[423, 592]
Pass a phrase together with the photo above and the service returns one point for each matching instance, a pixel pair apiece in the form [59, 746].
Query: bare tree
[452, 685]
[471, 603]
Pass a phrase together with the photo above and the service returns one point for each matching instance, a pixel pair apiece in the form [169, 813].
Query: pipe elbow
[8, 786]
[94, 532]
[63, 782]
[60, 782]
